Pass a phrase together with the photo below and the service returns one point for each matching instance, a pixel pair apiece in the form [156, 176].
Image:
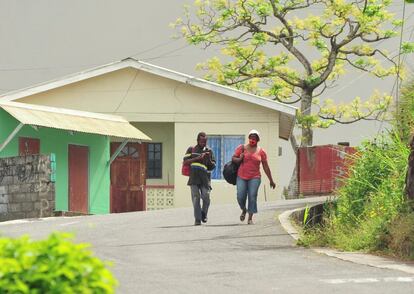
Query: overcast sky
[46, 39]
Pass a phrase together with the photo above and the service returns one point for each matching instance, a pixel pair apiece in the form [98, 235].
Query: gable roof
[73, 120]
[287, 112]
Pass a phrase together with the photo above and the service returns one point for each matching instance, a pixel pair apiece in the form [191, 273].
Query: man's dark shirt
[200, 171]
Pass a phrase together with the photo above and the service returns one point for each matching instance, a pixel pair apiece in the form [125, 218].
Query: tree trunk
[306, 140]
[306, 109]
[409, 179]
[293, 187]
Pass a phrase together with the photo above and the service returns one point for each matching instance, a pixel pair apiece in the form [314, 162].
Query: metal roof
[73, 120]
[285, 125]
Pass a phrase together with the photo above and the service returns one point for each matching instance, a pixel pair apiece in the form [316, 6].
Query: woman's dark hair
[201, 134]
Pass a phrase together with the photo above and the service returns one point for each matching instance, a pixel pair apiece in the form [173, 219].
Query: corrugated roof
[289, 111]
[286, 125]
[72, 120]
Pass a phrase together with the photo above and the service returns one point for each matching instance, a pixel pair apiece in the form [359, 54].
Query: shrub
[404, 117]
[370, 199]
[400, 237]
[54, 265]
[376, 181]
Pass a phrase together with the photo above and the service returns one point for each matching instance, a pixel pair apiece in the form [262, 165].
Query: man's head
[253, 137]
[202, 139]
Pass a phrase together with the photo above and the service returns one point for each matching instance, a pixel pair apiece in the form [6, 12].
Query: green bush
[376, 181]
[400, 236]
[54, 265]
[369, 200]
[404, 117]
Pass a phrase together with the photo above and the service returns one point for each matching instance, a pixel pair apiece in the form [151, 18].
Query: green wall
[57, 141]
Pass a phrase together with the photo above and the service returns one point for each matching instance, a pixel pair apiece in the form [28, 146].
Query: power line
[96, 64]
[168, 52]
[154, 47]
[399, 60]
[45, 68]
[127, 91]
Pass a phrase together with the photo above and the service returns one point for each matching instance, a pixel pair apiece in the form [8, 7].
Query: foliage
[54, 265]
[404, 118]
[400, 237]
[306, 215]
[270, 49]
[369, 201]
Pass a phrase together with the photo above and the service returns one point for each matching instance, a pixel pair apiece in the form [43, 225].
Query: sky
[46, 39]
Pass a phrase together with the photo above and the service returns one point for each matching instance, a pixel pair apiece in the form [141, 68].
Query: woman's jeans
[247, 189]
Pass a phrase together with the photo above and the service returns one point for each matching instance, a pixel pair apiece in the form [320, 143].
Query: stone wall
[27, 188]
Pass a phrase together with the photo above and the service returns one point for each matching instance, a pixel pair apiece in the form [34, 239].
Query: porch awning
[73, 120]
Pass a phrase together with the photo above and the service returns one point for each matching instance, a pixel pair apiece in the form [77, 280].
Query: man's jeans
[197, 192]
[248, 189]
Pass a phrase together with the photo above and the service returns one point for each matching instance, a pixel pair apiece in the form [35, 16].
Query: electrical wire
[397, 94]
[127, 91]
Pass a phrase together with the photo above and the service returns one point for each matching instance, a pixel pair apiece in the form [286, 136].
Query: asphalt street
[163, 252]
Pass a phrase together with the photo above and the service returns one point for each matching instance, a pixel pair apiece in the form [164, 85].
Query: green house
[79, 143]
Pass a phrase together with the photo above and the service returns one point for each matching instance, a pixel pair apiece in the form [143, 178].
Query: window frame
[222, 151]
[148, 177]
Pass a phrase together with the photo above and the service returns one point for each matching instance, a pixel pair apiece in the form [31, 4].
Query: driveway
[162, 252]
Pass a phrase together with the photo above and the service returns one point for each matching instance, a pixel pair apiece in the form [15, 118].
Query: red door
[78, 178]
[128, 174]
[29, 146]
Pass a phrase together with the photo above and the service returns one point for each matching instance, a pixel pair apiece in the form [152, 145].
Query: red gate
[321, 168]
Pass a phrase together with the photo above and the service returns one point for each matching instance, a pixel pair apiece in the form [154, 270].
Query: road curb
[355, 257]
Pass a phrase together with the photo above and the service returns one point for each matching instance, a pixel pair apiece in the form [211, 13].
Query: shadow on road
[185, 226]
[224, 237]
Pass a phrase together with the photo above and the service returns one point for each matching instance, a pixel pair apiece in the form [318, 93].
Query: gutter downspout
[11, 136]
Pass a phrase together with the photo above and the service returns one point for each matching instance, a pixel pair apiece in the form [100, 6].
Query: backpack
[230, 171]
[186, 168]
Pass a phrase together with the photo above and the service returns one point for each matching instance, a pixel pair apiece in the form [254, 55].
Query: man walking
[202, 162]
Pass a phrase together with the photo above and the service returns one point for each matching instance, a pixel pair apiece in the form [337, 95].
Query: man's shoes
[203, 217]
[197, 223]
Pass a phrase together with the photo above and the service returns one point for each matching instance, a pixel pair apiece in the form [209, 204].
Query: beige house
[171, 108]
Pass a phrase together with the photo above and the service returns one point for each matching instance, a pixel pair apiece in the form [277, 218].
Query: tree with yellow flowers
[292, 51]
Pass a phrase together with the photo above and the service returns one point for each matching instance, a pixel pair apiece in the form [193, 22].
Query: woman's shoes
[243, 215]
[250, 222]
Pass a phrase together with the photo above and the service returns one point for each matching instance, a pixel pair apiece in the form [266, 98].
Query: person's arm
[212, 159]
[188, 160]
[238, 156]
[266, 168]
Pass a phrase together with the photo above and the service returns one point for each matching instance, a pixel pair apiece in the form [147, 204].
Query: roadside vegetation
[372, 213]
[54, 265]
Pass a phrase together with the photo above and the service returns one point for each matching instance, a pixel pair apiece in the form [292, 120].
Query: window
[154, 164]
[223, 148]
[129, 151]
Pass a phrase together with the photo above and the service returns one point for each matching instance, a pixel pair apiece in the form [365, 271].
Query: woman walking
[248, 176]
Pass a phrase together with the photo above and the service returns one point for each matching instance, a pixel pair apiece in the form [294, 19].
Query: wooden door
[78, 178]
[29, 146]
[128, 174]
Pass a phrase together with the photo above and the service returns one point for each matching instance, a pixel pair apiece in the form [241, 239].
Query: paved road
[162, 252]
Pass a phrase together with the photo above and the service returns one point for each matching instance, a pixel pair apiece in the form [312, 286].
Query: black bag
[230, 171]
